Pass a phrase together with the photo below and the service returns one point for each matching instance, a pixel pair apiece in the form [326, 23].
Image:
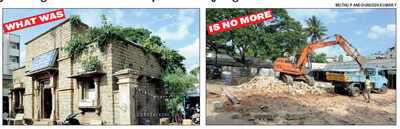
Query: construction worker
[367, 89]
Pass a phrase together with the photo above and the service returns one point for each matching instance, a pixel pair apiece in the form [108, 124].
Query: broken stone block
[265, 108]
[299, 92]
[295, 116]
[235, 116]
[345, 121]
[266, 116]
[393, 119]
[251, 117]
[218, 106]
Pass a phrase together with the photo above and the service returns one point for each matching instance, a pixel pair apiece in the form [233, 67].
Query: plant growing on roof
[105, 34]
[92, 63]
[76, 46]
[76, 21]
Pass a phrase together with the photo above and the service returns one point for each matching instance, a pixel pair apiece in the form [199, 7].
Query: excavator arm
[301, 64]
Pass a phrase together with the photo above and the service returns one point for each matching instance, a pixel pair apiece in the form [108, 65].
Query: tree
[265, 40]
[195, 71]
[177, 84]
[315, 29]
[319, 58]
[171, 60]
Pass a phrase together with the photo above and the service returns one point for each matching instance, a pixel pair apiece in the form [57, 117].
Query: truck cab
[377, 78]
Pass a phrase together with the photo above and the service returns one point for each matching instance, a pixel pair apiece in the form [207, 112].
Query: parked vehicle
[71, 120]
[196, 118]
[196, 114]
[353, 82]
[214, 72]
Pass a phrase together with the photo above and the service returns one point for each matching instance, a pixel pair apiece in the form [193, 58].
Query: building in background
[11, 60]
[332, 59]
[11, 56]
[391, 53]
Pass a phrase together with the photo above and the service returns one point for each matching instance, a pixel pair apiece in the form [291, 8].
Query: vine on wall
[76, 46]
[92, 63]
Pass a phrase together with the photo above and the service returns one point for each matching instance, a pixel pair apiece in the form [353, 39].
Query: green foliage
[76, 46]
[178, 83]
[315, 29]
[91, 64]
[125, 66]
[195, 71]
[173, 103]
[171, 61]
[318, 58]
[265, 40]
[103, 35]
[76, 20]
[137, 35]
[10, 86]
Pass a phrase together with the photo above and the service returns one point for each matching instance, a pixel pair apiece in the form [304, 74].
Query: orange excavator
[289, 71]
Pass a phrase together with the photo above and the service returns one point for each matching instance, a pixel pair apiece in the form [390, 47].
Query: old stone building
[55, 86]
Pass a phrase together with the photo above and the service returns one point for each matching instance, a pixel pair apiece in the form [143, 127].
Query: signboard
[34, 20]
[44, 60]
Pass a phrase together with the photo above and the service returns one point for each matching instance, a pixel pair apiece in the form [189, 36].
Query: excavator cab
[308, 67]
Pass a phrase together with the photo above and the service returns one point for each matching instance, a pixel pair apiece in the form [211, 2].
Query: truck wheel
[383, 90]
[339, 90]
[355, 91]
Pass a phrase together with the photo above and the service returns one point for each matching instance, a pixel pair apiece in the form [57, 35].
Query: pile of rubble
[272, 85]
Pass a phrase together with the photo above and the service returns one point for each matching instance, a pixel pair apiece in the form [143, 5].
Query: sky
[179, 28]
[369, 30]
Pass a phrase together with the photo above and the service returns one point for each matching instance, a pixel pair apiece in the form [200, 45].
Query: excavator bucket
[362, 61]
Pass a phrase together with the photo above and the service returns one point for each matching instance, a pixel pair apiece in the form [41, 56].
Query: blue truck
[352, 82]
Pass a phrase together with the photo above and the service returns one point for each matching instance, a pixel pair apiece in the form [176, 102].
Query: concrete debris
[218, 106]
[295, 116]
[235, 115]
[263, 116]
[212, 94]
[269, 101]
[272, 85]
[265, 108]
[232, 98]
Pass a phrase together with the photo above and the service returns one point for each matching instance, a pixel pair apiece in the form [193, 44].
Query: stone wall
[146, 63]
[22, 81]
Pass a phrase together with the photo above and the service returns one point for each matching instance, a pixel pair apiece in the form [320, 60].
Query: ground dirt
[284, 107]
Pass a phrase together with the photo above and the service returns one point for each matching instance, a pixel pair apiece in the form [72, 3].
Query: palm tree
[315, 29]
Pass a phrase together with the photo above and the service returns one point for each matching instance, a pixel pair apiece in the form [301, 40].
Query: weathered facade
[52, 93]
